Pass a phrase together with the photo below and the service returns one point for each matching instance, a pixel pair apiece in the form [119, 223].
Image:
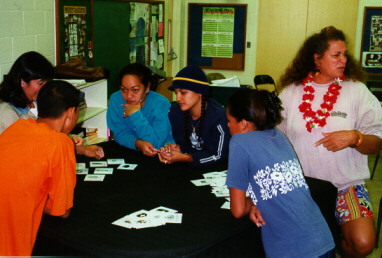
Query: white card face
[94, 164]
[173, 218]
[83, 171]
[226, 205]
[115, 161]
[80, 166]
[127, 166]
[94, 177]
[200, 182]
[163, 209]
[105, 171]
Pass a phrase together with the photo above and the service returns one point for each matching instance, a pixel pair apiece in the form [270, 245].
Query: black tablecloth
[88, 230]
[151, 184]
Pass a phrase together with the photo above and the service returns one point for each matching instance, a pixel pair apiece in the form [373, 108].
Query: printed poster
[218, 32]
[75, 32]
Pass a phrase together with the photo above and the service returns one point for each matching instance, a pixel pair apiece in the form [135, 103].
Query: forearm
[370, 144]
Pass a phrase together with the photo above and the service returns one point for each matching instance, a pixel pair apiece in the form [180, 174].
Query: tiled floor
[375, 191]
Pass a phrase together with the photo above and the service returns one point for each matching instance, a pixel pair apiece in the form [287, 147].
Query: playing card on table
[82, 171]
[163, 209]
[200, 182]
[115, 161]
[226, 205]
[127, 166]
[80, 166]
[105, 171]
[221, 191]
[173, 218]
[94, 164]
[94, 178]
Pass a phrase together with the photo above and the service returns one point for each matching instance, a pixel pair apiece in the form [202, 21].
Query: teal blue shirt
[149, 124]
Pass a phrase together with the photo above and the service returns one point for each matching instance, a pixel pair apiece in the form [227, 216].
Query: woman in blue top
[137, 116]
[199, 124]
[263, 163]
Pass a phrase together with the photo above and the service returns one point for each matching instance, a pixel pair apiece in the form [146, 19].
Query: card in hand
[94, 178]
[127, 166]
[105, 171]
[94, 164]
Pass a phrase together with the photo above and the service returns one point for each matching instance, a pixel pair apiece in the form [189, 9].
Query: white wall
[25, 25]
[180, 28]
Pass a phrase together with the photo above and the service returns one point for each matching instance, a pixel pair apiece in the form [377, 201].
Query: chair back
[266, 82]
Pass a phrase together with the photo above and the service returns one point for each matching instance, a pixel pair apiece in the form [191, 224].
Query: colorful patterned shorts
[353, 203]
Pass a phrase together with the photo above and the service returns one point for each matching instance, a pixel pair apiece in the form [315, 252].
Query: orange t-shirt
[37, 169]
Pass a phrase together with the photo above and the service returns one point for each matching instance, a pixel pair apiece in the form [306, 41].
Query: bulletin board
[122, 32]
[371, 49]
[216, 36]
[74, 35]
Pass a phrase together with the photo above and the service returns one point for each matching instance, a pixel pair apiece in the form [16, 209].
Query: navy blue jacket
[215, 135]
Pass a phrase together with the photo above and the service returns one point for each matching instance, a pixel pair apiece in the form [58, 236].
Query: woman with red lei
[333, 122]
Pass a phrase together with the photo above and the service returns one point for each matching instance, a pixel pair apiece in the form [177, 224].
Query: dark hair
[55, 97]
[142, 72]
[29, 66]
[318, 43]
[187, 120]
[260, 107]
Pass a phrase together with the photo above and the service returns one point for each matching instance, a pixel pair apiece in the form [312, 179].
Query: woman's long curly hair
[318, 43]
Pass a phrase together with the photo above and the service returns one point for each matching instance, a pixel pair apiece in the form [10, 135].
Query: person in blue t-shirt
[199, 124]
[137, 116]
[262, 163]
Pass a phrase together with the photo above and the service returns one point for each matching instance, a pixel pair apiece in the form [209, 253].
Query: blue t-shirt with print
[265, 164]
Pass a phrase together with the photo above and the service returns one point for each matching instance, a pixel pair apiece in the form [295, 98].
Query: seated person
[199, 124]
[19, 90]
[136, 115]
[37, 172]
[263, 163]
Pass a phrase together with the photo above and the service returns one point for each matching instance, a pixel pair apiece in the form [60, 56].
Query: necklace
[318, 118]
[193, 127]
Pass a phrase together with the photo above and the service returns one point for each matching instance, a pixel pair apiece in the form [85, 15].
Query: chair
[375, 166]
[265, 79]
[379, 222]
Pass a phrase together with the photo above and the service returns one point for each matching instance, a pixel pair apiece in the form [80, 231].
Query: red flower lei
[318, 118]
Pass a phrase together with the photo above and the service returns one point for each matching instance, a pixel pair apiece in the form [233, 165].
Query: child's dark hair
[187, 120]
[29, 66]
[260, 107]
[55, 98]
[144, 74]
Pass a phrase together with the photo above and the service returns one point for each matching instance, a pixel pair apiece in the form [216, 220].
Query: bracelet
[359, 138]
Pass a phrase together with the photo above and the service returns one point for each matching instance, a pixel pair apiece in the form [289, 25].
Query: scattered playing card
[80, 165]
[82, 171]
[127, 166]
[115, 161]
[94, 164]
[163, 209]
[226, 205]
[200, 182]
[106, 171]
[94, 177]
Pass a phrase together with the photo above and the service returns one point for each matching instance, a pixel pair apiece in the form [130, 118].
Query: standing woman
[137, 116]
[199, 124]
[333, 122]
[19, 89]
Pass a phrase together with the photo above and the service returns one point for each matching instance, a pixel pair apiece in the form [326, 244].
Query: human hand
[130, 109]
[169, 147]
[255, 216]
[173, 156]
[94, 151]
[79, 141]
[146, 147]
[338, 140]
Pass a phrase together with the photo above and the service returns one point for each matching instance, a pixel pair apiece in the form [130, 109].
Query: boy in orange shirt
[37, 172]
